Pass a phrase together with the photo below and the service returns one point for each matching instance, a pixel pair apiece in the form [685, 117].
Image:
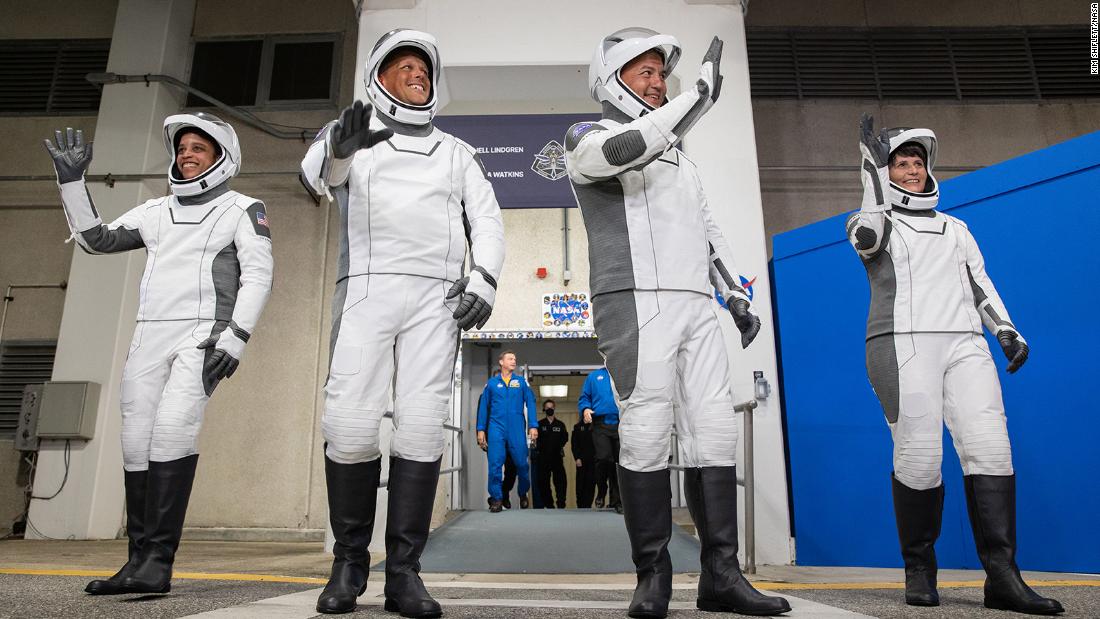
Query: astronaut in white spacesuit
[656, 258]
[410, 198]
[207, 277]
[929, 364]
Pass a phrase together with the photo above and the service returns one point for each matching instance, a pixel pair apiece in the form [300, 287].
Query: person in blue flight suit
[501, 427]
[597, 404]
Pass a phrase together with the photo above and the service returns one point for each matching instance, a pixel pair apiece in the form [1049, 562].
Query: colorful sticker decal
[566, 311]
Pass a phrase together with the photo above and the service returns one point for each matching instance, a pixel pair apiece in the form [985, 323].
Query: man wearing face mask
[553, 437]
[207, 278]
[410, 198]
[929, 364]
[656, 258]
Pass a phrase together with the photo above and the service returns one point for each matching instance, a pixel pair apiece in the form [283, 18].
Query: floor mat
[542, 541]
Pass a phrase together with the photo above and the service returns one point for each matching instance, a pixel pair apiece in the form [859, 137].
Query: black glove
[877, 149]
[747, 322]
[221, 363]
[352, 131]
[477, 303]
[1015, 349]
[71, 156]
[710, 78]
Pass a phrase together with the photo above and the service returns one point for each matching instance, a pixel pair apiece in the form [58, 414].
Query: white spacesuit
[656, 257]
[409, 204]
[207, 277]
[929, 363]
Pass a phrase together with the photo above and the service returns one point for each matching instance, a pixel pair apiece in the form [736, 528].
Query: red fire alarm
[540, 272]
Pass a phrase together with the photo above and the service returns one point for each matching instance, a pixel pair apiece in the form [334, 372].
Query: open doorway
[546, 363]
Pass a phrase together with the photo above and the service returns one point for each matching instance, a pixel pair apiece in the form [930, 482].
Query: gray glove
[71, 156]
[352, 131]
[477, 303]
[710, 79]
[1015, 348]
[747, 322]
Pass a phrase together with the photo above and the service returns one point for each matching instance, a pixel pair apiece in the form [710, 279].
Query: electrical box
[68, 410]
[26, 430]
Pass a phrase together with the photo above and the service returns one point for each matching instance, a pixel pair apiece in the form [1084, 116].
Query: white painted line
[302, 605]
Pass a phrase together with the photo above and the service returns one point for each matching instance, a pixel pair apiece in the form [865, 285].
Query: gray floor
[536, 541]
[63, 596]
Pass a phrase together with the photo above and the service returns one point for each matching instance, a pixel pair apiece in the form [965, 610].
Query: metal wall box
[68, 410]
[26, 432]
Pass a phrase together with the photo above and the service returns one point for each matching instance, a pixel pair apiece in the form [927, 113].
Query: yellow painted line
[184, 575]
[771, 586]
[958, 584]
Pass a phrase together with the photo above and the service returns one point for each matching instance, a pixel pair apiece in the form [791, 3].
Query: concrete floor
[282, 580]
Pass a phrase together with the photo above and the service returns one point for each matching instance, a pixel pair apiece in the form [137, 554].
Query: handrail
[748, 481]
[448, 426]
[453, 469]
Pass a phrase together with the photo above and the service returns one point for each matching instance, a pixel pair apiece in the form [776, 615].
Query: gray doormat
[542, 541]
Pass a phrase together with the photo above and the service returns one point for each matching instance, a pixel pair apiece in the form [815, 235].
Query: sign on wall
[524, 155]
[566, 311]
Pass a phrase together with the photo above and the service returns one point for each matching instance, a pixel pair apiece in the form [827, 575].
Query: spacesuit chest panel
[668, 235]
[931, 275]
[404, 208]
[177, 283]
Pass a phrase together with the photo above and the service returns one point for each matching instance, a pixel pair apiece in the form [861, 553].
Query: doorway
[545, 362]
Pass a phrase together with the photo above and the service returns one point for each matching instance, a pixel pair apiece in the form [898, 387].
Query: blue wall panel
[1037, 221]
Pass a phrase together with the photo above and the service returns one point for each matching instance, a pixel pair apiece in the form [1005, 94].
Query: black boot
[167, 492]
[712, 500]
[135, 482]
[412, 495]
[647, 501]
[352, 495]
[919, 514]
[991, 503]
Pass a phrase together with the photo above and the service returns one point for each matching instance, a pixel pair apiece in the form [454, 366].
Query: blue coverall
[597, 395]
[500, 416]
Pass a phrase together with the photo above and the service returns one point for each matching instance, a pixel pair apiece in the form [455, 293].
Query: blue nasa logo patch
[580, 129]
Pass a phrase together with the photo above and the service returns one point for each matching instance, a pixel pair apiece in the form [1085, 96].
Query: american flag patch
[261, 219]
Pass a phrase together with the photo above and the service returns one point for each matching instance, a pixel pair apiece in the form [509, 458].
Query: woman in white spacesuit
[929, 364]
[207, 277]
[410, 197]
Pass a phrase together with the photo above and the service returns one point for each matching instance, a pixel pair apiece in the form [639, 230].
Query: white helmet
[619, 48]
[225, 168]
[387, 104]
[930, 197]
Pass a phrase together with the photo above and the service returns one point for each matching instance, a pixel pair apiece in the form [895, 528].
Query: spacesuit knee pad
[715, 434]
[351, 434]
[137, 433]
[984, 448]
[176, 431]
[418, 432]
[644, 436]
[918, 459]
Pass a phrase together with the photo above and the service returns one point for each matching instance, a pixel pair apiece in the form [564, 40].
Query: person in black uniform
[584, 456]
[551, 446]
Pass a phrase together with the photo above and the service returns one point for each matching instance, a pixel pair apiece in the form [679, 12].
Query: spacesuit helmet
[930, 197]
[227, 165]
[615, 51]
[384, 102]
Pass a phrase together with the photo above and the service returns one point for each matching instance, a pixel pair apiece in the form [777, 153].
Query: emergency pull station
[68, 410]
